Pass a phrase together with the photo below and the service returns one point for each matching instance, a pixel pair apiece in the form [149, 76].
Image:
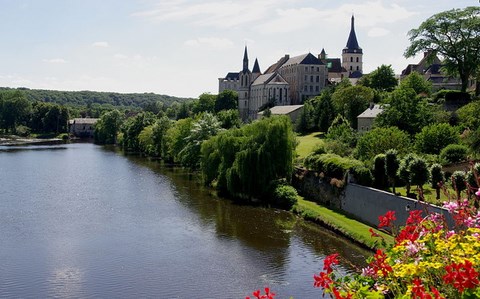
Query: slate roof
[352, 43]
[334, 65]
[271, 78]
[308, 58]
[283, 110]
[83, 121]
[256, 67]
[355, 74]
[371, 112]
[232, 76]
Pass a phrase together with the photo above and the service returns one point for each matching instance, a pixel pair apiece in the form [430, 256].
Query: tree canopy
[455, 35]
[383, 79]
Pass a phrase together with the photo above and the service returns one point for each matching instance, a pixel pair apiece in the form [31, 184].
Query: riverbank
[17, 141]
[351, 229]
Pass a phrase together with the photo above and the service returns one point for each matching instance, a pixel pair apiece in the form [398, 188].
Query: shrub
[379, 174]
[285, 196]
[454, 153]
[433, 138]
[458, 181]
[331, 165]
[363, 175]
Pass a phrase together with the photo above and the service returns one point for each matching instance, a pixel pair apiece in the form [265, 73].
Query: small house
[82, 127]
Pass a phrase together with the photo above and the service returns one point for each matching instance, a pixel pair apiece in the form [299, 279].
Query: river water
[84, 221]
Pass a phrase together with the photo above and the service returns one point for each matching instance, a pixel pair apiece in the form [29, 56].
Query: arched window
[357, 59]
[358, 68]
[351, 59]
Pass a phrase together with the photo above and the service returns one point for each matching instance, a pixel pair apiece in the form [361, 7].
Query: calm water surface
[82, 221]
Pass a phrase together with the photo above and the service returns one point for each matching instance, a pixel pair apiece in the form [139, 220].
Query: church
[292, 80]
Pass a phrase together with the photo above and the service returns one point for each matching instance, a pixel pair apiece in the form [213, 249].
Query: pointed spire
[245, 60]
[323, 55]
[352, 43]
[256, 67]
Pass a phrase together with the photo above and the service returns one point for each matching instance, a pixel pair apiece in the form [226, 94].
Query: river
[85, 221]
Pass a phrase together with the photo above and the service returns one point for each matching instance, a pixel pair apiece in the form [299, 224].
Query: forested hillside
[86, 98]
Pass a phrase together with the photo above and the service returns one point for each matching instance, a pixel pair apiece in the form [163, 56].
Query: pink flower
[478, 192]
[450, 206]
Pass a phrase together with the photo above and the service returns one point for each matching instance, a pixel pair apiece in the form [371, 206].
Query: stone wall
[363, 203]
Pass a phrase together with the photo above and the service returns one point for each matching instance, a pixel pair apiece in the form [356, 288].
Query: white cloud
[210, 42]
[377, 32]
[55, 60]
[100, 45]
[120, 56]
[275, 16]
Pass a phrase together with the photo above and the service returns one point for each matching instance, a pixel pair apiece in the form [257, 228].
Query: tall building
[291, 80]
[352, 54]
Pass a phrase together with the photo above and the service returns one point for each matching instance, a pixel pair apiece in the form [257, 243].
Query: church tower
[352, 54]
[245, 78]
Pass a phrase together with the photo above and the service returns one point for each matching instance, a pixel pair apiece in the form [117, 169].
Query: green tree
[437, 177]
[14, 109]
[379, 172]
[469, 115]
[131, 129]
[341, 131]
[418, 83]
[406, 111]
[383, 79]
[455, 35]
[391, 167]
[159, 132]
[404, 171]
[176, 139]
[229, 118]
[433, 138]
[107, 127]
[324, 112]
[206, 127]
[379, 140]
[419, 173]
[458, 182]
[205, 103]
[226, 100]
[352, 101]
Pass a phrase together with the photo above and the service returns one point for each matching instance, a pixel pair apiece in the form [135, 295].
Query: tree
[379, 140]
[107, 127]
[404, 171]
[468, 115]
[419, 173]
[226, 100]
[383, 79]
[433, 138]
[176, 138]
[132, 128]
[458, 182]
[391, 167]
[418, 83]
[324, 112]
[437, 178]
[380, 179]
[206, 127]
[14, 109]
[352, 101]
[455, 35]
[341, 131]
[205, 103]
[405, 110]
[229, 118]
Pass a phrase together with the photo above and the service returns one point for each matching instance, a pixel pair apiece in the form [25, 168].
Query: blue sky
[182, 47]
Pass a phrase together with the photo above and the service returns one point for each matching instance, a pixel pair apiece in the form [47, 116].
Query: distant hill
[85, 98]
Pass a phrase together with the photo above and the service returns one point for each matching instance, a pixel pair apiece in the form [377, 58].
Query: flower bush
[428, 259]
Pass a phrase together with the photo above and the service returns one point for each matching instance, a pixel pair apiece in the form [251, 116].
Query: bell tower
[352, 54]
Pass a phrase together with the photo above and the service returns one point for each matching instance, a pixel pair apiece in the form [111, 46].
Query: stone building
[292, 80]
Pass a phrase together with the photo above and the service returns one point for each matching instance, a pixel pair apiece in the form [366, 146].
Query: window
[351, 59]
[358, 68]
[311, 88]
[351, 68]
[318, 69]
[306, 69]
[357, 59]
[317, 88]
[305, 88]
[311, 78]
[318, 78]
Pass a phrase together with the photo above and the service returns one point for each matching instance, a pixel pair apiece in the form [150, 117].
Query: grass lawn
[306, 143]
[350, 228]
[430, 194]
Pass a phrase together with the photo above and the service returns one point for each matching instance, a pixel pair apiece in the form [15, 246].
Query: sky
[181, 47]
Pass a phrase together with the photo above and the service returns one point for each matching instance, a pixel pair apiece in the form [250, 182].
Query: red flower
[409, 232]
[268, 294]
[372, 233]
[462, 276]
[379, 264]
[387, 219]
[322, 280]
[329, 261]
[415, 217]
[436, 293]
